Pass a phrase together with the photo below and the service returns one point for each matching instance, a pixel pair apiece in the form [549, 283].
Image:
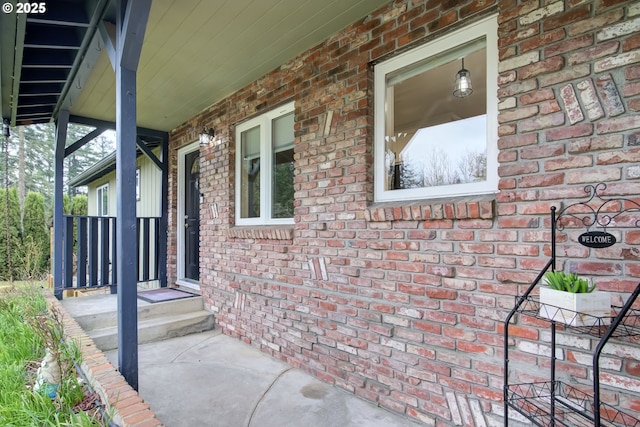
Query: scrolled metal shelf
[553, 403]
[601, 216]
[558, 404]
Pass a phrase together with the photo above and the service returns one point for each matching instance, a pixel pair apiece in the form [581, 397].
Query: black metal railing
[89, 251]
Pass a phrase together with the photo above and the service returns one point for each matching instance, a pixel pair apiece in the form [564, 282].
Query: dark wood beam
[82, 141]
[147, 152]
[141, 131]
[164, 208]
[132, 33]
[58, 203]
[108, 33]
[131, 22]
[17, 65]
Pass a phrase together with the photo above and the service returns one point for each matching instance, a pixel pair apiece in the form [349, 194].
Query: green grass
[23, 283]
[26, 328]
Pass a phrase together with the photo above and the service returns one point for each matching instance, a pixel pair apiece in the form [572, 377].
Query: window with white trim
[103, 200]
[264, 168]
[429, 143]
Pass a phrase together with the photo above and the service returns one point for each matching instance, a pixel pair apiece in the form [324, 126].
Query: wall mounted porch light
[207, 136]
[463, 87]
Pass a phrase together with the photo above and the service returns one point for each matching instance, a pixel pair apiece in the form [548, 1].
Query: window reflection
[433, 138]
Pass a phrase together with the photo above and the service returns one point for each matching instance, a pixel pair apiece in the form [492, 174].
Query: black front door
[192, 216]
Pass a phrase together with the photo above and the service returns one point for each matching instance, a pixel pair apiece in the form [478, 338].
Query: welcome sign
[597, 239]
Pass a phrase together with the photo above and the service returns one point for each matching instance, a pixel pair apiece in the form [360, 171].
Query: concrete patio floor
[209, 379]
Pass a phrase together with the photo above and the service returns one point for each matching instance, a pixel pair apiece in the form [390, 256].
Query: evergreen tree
[22, 194]
[31, 163]
[411, 174]
[10, 254]
[12, 162]
[35, 237]
[85, 157]
[39, 161]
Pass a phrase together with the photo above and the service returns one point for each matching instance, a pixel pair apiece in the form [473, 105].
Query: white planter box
[575, 309]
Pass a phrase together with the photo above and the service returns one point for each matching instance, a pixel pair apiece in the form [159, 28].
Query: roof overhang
[47, 55]
[97, 171]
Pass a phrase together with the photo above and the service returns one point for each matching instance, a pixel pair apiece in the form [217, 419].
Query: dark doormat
[163, 294]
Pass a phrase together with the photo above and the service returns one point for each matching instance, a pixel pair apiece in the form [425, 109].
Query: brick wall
[569, 118]
[402, 303]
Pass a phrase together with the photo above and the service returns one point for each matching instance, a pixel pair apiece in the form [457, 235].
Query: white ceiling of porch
[196, 52]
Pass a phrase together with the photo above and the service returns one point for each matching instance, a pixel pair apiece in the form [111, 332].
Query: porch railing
[89, 251]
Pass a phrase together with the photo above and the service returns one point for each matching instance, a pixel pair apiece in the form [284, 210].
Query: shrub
[35, 238]
[10, 256]
[79, 205]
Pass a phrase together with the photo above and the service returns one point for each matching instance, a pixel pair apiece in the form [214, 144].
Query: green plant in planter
[568, 282]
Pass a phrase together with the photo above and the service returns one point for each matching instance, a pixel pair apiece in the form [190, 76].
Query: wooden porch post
[164, 208]
[58, 201]
[131, 23]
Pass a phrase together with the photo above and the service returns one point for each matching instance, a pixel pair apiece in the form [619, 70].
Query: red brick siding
[590, 138]
[402, 303]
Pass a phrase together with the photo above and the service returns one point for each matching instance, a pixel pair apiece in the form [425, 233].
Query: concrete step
[98, 317]
[157, 328]
[106, 315]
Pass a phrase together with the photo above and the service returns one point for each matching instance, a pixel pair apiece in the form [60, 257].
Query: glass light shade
[207, 136]
[463, 87]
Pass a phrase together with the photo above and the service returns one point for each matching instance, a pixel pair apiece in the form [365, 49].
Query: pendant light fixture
[462, 87]
[207, 136]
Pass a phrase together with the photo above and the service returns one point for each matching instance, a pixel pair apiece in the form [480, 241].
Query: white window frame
[138, 184]
[100, 206]
[488, 28]
[264, 121]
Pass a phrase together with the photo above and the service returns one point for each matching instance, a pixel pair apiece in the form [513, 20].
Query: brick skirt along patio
[122, 402]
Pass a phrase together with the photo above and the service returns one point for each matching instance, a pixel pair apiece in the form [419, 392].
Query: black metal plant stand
[553, 402]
